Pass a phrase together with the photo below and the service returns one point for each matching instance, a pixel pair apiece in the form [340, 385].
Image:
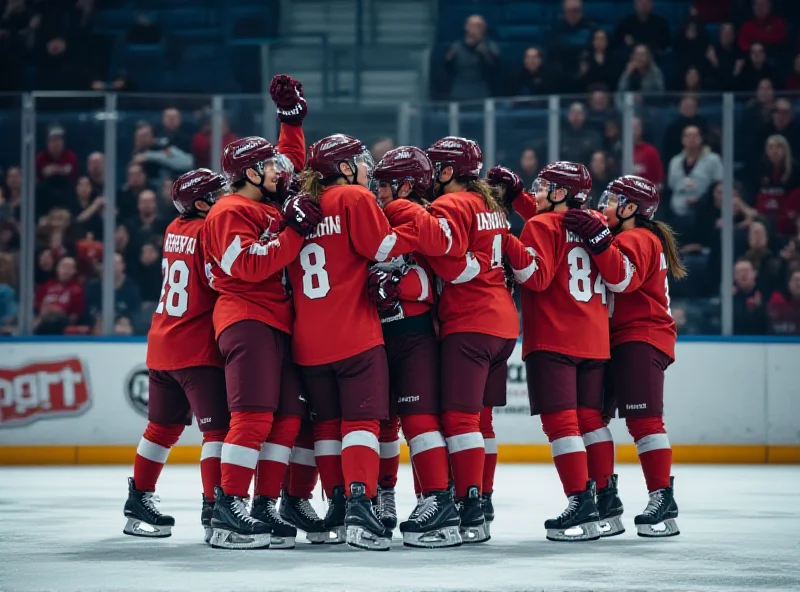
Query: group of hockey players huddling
[327, 301]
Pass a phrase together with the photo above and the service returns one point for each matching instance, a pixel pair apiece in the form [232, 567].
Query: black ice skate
[579, 522]
[144, 519]
[488, 511]
[658, 518]
[609, 507]
[334, 519]
[434, 523]
[205, 518]
[385, 507]
[364, 530]
[233, 527]
[473, 524]
[281, 534]
[299, 512]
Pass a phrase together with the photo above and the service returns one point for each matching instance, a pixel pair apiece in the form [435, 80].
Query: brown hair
[8, 272]
[312, 184]
[486, 191]
[669, 243]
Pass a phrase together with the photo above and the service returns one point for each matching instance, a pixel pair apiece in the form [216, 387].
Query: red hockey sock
[389, 441]
[211, 461]
[152, 453]
[328, 454]
[428, 452]
[360, 454]
[301, 475]
[490, 449]
[274, 455]
[247, 431]
[566, 445]
[652, 445]
[462, 431]
[599, 445]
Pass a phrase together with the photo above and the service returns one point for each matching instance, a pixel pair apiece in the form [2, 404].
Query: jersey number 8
[174, 296]
[315, 279]
[580, 277]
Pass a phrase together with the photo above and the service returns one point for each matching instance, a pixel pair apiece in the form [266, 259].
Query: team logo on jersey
[137, 389]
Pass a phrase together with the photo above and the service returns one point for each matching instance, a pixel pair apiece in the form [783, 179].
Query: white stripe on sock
[275, 453]
[303, 456]
[597, 436]
[652, 442]
[490, 445]
[390, 449]
[425, 442]
[211, 450]
[152, 451]
[567, 445]
[233, 454]
[464, 442]
[328, 448]
[361, 438]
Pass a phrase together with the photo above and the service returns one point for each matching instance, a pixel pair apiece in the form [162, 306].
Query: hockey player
[249, 242]
[403, 290]
[337, 333]
[184, 364]
[564, 296]
[635, 260]
[462, 238]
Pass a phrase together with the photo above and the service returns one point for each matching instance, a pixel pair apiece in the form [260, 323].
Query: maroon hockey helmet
[572, 176]
[325, 156]
[406, 164]
[463, 155]
[632, 189]
[198, 185]
[252, 153]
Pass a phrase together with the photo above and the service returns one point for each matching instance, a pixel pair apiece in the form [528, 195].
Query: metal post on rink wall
[109, 116]
[27, 253]
[269, 120]
[217, 117]
[726, 275]
[553, 128]
[489, 135]
[627, 133]
[455, 119]
[404, 124]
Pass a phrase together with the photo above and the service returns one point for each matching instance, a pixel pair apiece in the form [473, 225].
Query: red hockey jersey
[415, 289]
[335, 318]
[182, 332]
[634, 269]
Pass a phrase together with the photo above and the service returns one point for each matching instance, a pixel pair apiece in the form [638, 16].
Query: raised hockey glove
[302, 214]
[591, 228]
[383, 291]
[500, 176]
[287, 94]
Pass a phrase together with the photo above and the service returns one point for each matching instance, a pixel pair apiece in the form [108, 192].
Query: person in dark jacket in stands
[535, 78]
[643, 27]
[571, 35]
[471, 63]
[127, 295]
[749, 304]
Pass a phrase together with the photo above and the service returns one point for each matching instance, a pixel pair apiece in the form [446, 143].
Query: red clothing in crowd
[647, 163]
[67, 164]
[770, 31]
[69, 298]
[201, 147]
[784, 315]
[782, 209]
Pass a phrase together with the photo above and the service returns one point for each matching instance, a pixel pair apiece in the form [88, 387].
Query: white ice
[61, 529]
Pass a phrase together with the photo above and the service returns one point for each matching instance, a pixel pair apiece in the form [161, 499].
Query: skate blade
[276, 542]
[668, 528]
[361, 538]
[318, 538]
[138, 528]
[589, 531]
[442, 538]
[336, 536]
[208, 532]
[474, 534]
[611, 527]
[227, 539]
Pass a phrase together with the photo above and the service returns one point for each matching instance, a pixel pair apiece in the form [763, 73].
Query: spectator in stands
[96, 171]
[749, 310]
[792, 82]
[166, 207]
[602, 175]
[596, 68]
[528, 167]
[12, 194]
[128, 196]
[777, 178]
[766, 264]
[723, 55]
[692, 80]
[692, 46]
[122, 245]
[147, 273]
[749, 73]
[159, 156]
[381, 147]
[643, 27]
[8, 293]
[56, 170]
[58, 68]
[612, 142]
[62, 298]
[782, 122]
[9, 236]
[571, 35]
[127, 296]
[646, 159]
[687, 116]
[88, 209]
[600, 108]
[756, 118]
[534, 78]
[45, 267]
[764, 28]
[146, 226]
[471, 63]
[641, 75]
[171, 131]
[578, 141]
[784, 307]
[691, 174]
[201, 143]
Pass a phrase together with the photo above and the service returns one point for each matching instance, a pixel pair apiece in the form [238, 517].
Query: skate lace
[655, 502]
[425, 509]
[386, 503]
[149, 500]
[272, 510]
[572, 506]
[241, 510]
[307, 510]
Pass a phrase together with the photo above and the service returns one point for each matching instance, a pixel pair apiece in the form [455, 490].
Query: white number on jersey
[497, 251]
[315, 278]
[663, 266]
[174, 296]
[580, 277]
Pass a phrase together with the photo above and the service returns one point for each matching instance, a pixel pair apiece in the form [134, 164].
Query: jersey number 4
[580, 277]
[174, 297]
[315, 279]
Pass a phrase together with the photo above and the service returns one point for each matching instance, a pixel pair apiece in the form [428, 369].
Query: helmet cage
[622, 201]
[282, 166]
[539, 183]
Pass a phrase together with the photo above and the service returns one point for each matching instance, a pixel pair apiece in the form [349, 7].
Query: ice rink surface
[61, 529]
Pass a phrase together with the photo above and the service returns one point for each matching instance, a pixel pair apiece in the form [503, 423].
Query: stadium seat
[531, 33]
[605, 12]
[184, 18]
[529, 13]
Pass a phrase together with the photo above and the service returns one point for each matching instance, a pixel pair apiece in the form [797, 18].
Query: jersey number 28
[174, 297]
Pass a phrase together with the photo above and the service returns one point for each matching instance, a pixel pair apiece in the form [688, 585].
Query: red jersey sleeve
[292, 144]
[237, 250]
[540, 238]
[525, 205]
[621, 272]
[434, 236]
[521, 258]
[454, 222]
[416, 285]
[371, 234]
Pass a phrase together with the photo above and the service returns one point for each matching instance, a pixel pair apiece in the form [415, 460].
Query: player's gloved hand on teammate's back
[302, 214]
[287, 94]
[382, 287]
[500, 176]
[591, 227]
[508, 274]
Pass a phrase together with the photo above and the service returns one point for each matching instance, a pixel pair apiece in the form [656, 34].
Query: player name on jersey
[178, 243]
[491, 220]
[329, 225]
[573, 238]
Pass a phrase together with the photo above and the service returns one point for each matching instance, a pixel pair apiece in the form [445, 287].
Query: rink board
[68, 401]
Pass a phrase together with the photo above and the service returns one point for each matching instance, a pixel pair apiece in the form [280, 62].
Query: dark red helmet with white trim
[326, 155]
[572, 176]
[198, 185]
[254, 153]
[406, 164]
[632, 189]
[463, 155]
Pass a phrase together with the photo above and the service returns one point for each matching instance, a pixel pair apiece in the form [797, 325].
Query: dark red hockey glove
[287, 94]
[500, 175]
[383, 291]
[288, 187]
[302, 214]
[592, 229]
[508, 272]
